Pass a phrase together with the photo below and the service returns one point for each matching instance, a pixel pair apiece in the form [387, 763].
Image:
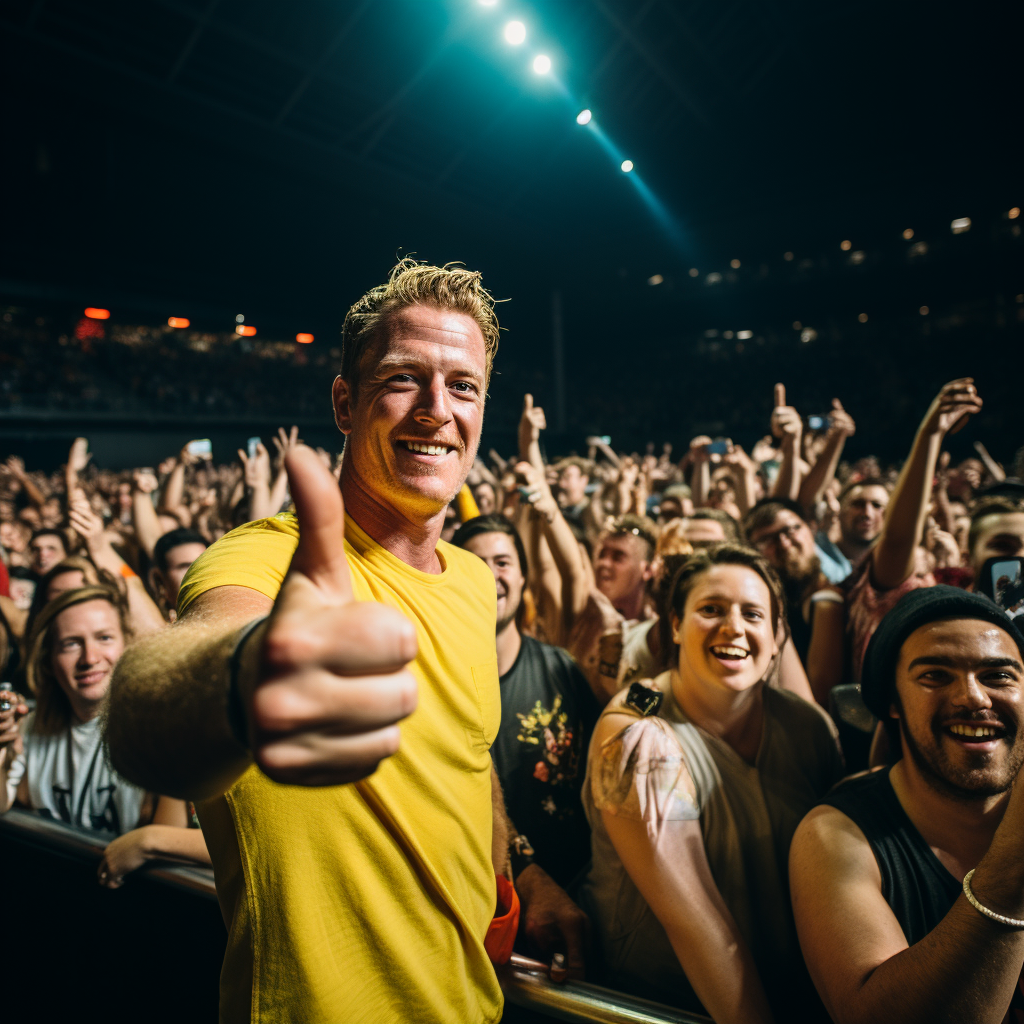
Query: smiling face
[47, 550]
[862, 513]
[726, 636]
[498, 550]
[788, 544]
[622, 568]
[87, 641]
[960, 690]
[414, 419]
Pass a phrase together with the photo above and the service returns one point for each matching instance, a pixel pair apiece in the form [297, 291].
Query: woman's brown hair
[53, 709]
[702, 561]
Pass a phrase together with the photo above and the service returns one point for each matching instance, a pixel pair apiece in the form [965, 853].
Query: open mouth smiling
[728, 652]
[976, 734]
[426, 448]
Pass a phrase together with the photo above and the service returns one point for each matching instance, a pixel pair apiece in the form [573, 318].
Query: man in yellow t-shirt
[354, 856]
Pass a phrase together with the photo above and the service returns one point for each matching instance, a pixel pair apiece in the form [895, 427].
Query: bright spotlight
[487, 3]
[583, 117]
[515, 33]
[626, 166]
[542, 64]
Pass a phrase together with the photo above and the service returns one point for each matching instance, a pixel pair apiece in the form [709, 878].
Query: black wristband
[236, 710]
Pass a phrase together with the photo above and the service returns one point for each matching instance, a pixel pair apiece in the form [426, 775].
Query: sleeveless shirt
[915, 884]
[748, 814]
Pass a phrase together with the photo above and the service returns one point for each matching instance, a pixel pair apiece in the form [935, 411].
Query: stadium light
[908, 234]
[515, 33]
[584, 116]
[307, 339]
[245, 331]
[240, 319]
[626, 166]
[1014, 212]
[96, 314]
[542, 64]
[846, 245]
[960, 225]
[177, 321]
[735, 264]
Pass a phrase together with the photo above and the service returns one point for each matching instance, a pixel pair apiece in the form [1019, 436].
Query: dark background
[204, 157]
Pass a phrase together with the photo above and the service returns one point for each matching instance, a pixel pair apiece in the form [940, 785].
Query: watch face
[643, 699]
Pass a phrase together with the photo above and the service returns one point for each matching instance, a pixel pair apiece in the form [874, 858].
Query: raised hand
[15, 466]
[84, 521]
[257, 468]
[284, 443]
[842, 421]
[531, 423]
[785, 421]
[539, 493]
[699, 448]
[330, 680]
[79, 455]
[145, 481]
[12, 709]
[952, 408]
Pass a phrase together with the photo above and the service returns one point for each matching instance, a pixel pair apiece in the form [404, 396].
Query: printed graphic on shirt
[558, 756]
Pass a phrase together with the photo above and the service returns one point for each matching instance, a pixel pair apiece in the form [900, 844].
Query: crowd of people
[693, 652]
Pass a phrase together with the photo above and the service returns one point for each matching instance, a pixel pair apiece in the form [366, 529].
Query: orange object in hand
[501, 932]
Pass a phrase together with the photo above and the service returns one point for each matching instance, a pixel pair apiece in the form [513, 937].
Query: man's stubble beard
[952, 782]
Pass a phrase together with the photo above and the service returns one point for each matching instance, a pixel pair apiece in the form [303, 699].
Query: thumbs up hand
[785, 421]
[327, 683]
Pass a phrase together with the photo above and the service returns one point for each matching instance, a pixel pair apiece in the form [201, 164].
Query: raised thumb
[320, 511]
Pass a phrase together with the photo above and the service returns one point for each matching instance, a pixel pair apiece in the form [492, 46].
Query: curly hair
[451, 287]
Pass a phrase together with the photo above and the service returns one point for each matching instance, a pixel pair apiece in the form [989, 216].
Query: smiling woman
[693, 801]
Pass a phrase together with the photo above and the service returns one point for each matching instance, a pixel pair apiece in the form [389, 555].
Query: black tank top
[915, 884]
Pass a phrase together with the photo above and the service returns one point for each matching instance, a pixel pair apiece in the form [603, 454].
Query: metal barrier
[524, 983]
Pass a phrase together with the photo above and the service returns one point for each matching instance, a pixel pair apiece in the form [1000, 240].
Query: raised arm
[964, 971]
[257, 482]
[823, 472]
[145, 615]
[531, 423]
[284, 443]
[893, 555]
[319, 685]
[788, 427]
[144, 517]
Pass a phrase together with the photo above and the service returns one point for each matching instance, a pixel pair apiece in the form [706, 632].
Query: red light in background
[177, 321]
[96, 314]
[304, 339]
[245, 330]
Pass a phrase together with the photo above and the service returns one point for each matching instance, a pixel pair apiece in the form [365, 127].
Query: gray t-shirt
[70, 779]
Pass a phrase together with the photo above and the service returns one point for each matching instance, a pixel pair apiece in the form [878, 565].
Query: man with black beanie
[908, 882]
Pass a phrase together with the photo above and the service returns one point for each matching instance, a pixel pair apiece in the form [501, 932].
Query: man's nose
[433, 407]
[90, 653]
[972, 694]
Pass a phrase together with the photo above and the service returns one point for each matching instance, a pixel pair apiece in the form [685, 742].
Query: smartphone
[1002, 579]
[252, 444]
[201, 448]
[720, 446]
[819, 422]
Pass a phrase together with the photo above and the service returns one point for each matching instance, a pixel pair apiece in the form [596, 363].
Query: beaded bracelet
[1013, 922]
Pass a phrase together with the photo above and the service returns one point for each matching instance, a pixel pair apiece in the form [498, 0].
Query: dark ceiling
[280, 154]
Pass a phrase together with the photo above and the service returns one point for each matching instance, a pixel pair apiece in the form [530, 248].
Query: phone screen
[1002, 579]
[252, 444]
[203, 448]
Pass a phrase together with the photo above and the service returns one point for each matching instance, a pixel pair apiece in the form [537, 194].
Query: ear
[341, 396]
[675, 622]
[649, 568]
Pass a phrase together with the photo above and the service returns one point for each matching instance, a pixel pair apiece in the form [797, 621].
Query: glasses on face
[771, 540]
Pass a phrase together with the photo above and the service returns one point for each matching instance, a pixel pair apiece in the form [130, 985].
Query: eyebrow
[945, 661]
[388, 364]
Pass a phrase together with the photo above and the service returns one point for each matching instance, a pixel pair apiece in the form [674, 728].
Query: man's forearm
[893, 558]
[167, 720]
[823, 471]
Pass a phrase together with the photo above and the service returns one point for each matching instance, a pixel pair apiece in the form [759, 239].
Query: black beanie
[913, 610]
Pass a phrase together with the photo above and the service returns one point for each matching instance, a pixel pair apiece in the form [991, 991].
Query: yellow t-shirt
[370, 901]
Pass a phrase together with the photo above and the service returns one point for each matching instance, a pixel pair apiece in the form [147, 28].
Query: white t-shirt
[70, 779]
